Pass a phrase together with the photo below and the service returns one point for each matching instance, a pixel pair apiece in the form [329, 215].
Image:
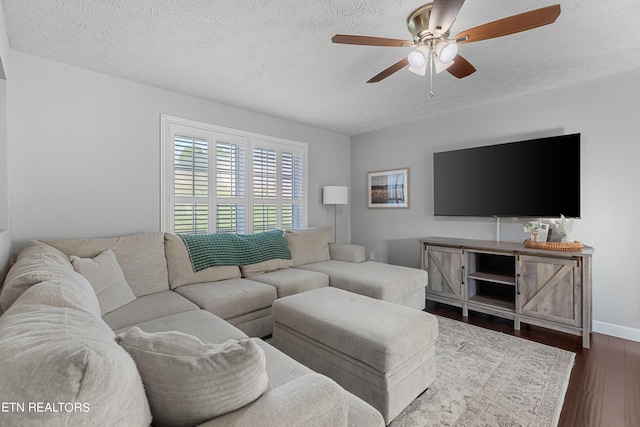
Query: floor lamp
[335, 195]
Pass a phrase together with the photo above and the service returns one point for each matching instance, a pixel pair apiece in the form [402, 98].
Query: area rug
[486, 378]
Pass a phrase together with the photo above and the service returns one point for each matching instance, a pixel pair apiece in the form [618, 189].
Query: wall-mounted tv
[538, 178]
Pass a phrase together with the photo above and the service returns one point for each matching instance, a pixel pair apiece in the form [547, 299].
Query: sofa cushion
[312, 400]
[282, 369]
[309, 245]
[147, 308]
[378, 280]
[201, 323]
[230, 298]
[105, 276]
[293, 280]
[35, 263]
[141, 257]
[189, 382]
[181, 270]
[251, 270]
[54, 354]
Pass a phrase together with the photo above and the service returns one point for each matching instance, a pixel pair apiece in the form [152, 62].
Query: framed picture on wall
[388, 188]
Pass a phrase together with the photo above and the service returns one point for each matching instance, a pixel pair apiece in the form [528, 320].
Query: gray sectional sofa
[65, 301]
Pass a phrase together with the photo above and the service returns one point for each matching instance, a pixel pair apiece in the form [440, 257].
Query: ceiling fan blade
[443, 13]
[461, 67]
[510, 25]
[386, 73]
[370, 41]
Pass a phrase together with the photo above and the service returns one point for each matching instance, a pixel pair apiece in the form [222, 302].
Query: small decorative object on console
[565, 225]
[533, 227]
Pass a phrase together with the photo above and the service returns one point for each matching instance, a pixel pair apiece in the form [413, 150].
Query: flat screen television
[538, 178]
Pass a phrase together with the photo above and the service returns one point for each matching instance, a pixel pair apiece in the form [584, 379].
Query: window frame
[172, 126]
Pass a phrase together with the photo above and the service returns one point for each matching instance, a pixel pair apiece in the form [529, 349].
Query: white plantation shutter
[292, 190]
[223, 180]
[265, 189]
[230, 188]
[191, 185]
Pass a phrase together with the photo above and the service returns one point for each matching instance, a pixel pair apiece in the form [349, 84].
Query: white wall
[604, 111]
[85, 151]
[5, 231]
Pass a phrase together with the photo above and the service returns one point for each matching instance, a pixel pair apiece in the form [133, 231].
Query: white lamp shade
[447, 52]
[416, 59]
[422, 68]
[335, 195]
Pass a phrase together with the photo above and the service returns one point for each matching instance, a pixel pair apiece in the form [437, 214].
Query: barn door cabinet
[445, 268]
[551, 289]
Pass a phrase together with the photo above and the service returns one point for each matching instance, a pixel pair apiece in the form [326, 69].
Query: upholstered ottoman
[382, 352]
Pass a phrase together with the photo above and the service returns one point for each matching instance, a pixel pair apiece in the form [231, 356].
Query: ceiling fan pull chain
[431, 73]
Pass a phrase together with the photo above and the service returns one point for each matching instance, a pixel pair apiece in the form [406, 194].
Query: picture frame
[543, 233]
[388, 189]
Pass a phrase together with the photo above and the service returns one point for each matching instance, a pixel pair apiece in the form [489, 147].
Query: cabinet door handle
[518, 283]
[462, 274]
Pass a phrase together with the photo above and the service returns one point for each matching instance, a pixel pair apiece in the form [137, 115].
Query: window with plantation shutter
[219, 180]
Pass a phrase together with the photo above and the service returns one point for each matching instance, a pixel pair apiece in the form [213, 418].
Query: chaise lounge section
[346, 267]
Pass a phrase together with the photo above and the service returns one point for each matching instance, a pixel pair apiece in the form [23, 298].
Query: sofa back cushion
[309, 245]
[141, 257]
[66, 358]
[188, 381]
[181, 269]
[36, 263]
[76, 294]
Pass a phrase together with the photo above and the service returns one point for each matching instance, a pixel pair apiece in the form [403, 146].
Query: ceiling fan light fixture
[446, 51]
[416, 59]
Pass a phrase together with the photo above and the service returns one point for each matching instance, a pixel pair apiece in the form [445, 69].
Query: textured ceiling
[276, 56]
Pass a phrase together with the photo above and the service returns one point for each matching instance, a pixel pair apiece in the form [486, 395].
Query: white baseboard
[616, 330]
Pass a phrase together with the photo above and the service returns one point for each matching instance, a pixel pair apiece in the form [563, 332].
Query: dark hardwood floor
[604, 389]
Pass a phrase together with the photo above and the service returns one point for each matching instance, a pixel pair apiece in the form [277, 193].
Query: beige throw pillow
[309, 245]
[106, 278]
[189, 382]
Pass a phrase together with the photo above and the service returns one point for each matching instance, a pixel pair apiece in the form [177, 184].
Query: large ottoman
[382, 352]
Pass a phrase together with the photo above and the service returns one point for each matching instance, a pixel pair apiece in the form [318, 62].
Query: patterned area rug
[486, 378]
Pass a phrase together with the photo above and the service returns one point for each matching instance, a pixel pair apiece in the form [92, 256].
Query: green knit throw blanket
[208, 250]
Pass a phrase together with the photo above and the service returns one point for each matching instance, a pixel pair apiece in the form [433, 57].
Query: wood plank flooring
[604, 388]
